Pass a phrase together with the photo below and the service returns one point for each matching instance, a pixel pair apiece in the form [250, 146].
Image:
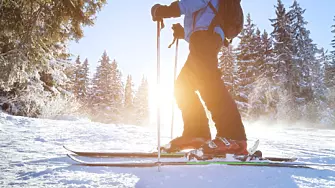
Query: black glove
[158, 12]
[154, 13]
[178, 31]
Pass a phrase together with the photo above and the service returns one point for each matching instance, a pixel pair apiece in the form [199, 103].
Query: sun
[161, 96]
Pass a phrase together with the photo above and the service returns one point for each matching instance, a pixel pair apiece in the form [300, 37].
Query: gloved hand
[178, 31]
[154, 15]
[158, 12]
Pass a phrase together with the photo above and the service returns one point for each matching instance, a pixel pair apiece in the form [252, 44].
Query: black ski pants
[200, 73]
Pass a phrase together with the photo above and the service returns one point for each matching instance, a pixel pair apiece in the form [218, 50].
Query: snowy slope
[31, 155]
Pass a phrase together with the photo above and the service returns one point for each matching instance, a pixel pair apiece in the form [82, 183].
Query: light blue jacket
[203, 18]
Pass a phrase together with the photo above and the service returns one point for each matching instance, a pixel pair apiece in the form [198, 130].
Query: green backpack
[229, 17]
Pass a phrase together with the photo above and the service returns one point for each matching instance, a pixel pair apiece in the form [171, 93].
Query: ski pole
[174, 78]
[159, 24]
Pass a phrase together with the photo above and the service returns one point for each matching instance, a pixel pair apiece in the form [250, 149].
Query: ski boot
[183, 143]
[219, 148]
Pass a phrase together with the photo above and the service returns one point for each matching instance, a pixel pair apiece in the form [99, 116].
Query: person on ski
[200, 73]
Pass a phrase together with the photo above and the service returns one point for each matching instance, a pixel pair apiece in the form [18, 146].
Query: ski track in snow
[32, 155]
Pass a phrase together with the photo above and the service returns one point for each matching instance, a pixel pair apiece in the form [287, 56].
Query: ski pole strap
[161, 22]
[174, 40]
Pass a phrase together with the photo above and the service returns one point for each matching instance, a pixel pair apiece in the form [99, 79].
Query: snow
[31, 155]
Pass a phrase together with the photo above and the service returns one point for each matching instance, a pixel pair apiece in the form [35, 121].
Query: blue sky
[125, 30]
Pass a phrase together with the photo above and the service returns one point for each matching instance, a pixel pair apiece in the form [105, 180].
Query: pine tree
[115, 91]
[259, 52]
[129, 93]
[107, 91]
[283, 47]
[227, 67]
[284, 59]
[141, 103]
[261, 99]
[330, 65]
[99, 96]
[269, 67]
[83, 81]
[271, 86]
[246, 65]
[129, 101]
[318, 74]
[303, 54]
[35, 33]
[333, 42]
[76, 86]
[329, 80]
[70, 72]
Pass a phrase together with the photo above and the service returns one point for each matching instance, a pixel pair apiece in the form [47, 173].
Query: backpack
[229, 17]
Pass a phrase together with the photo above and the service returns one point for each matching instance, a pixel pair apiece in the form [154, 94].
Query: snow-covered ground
[31, 155]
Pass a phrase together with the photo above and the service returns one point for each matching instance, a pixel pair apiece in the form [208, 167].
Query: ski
[183, 163]
[243, 158]
[130, 154]
[181, 154]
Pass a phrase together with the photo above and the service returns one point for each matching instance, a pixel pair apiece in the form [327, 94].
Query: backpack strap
[215, 21]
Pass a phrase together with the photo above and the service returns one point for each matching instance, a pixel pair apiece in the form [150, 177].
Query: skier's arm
[177, 8]
[191, 6]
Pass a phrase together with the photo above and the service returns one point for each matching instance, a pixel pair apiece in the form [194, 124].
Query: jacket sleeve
[191, 6]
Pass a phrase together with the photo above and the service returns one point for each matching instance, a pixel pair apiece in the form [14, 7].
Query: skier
[200, 73]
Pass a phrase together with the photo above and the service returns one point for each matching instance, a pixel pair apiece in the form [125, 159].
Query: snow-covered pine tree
[262, 97]
[70, 72]
[129, 93]
[303, 55]
[333, 41]
[283, 59]
[35, 36]
[282, 50]
[328, 114]
[259, 53]
[82, 81]
[107, 91]
[141, 103]
[269, 67]
[227, 67]
[100, 100]
[330, 65]
[318, 81]
[115, 92]
[246, 56]
[270, 86]
[128, 113]
[76, 86]
[33, 52]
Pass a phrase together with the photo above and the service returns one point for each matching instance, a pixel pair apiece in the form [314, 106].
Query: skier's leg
[224, 111]
[196, 130]
[188, 101]
[223, 108]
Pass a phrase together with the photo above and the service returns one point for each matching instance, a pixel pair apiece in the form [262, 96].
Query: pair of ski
[254, 158]
[193, 154]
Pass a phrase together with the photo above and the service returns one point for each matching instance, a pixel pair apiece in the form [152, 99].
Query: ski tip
[257, 142]
[66, 148]
[253, 149]
[72, 157]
